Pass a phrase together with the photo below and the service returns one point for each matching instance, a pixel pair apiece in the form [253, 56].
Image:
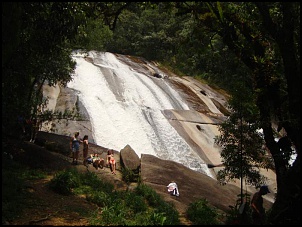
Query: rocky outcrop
[154, 172]
[158, 173]
[129, 159]
[192, 185]
[65, 99]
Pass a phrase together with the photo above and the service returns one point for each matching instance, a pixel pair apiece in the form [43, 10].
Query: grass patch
[14, 194]
[201, 213]
[143, 206]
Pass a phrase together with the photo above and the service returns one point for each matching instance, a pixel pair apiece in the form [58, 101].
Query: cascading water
[126, 106]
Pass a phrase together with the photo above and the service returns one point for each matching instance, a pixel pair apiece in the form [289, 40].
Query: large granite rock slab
[192, 185]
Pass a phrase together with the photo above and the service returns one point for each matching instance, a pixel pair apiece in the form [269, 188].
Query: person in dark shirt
[258, 211]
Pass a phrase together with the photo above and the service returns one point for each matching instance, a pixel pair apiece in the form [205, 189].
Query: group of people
[93, 159]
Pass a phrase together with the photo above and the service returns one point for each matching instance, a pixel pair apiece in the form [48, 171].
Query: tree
[38, 38]
[266, 38]
[242, 143]
[243, 149]
[40, 54]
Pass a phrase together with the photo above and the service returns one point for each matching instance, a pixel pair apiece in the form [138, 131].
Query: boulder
[129, 159]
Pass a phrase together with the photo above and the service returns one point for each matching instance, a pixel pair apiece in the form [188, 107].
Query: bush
[65, 181]
[163, 211]
[135, 202]
[200, 213]
[92, 180]
[129, 176]
[14, 193]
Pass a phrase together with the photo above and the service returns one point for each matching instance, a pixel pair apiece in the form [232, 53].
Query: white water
[125, 107]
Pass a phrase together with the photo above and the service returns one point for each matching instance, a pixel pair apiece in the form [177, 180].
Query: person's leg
[97, 162]
[73, 156]
[31, 134]
[113, 167]
[175, 192]
[85, 154]
[102, 163]
[95, 165]
[35, 132]
[108, 164]
[77, 156]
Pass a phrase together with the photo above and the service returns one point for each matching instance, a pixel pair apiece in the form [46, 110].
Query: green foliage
[12, 189]
[65, 181]
[161, 207]
[167, 213]
[118, 208]
[93, 36]
[129, 176]
[33, 174]
[14, 195]
[131, 208]
[90, 183]
[135, 202]
[150, 32]
[241, 212]
[101, 198]
[149, 194]
[14, 205]
[157, 218]
[43, 33]
[201, 213]
[92, 180]
[243, 152]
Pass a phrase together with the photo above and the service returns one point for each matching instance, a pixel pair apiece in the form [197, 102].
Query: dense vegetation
[244, 47]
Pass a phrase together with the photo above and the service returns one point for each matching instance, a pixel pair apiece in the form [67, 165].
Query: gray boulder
[129, 159]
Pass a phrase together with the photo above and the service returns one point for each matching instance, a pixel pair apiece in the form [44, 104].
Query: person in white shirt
[173, 189]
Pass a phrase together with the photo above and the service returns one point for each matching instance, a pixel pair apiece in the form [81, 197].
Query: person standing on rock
[85, 150]
[75, 147]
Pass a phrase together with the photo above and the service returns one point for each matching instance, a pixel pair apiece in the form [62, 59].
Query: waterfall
[126, 106]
